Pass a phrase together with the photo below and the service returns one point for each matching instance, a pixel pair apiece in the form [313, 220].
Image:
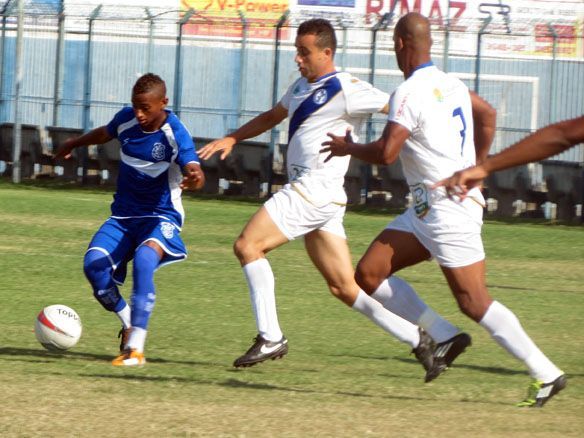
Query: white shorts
[450, 231]
[295, 216]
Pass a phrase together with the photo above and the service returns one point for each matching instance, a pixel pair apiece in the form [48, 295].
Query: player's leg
[391, 251]
[159, 244]
[469, 287]
[259, 236]
[108, 251]
[146, 261]
[330, 254]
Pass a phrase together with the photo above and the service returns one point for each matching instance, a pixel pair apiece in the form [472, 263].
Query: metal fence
[80, 63]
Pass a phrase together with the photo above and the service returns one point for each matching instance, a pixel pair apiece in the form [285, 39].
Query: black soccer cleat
[124, 334]
[425, 349]
[262, 350]
[539, 393]
[445, 353]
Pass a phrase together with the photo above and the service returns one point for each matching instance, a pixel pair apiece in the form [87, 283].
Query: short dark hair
[149, 82]
[324, 31]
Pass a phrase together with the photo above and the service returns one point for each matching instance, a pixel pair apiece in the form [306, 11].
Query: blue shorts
[118, 239]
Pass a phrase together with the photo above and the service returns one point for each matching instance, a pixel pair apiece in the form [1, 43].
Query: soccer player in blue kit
[158, 161]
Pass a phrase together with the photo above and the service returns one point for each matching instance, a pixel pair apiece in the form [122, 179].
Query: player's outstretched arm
[543, 143]
[95, 136]
[193, 177]
[256, 126]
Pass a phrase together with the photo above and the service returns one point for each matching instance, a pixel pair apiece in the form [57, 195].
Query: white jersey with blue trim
[150, 167]
[332, 103]
[436, 108]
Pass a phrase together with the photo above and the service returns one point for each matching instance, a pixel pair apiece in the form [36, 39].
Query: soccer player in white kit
[437, 127]
[313, 203]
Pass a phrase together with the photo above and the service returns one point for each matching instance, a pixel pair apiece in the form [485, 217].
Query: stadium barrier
[252, 167]
[515, 194]
[31, 151]
[565, 187]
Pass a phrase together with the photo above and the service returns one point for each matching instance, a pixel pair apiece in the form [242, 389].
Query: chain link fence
[80, 62]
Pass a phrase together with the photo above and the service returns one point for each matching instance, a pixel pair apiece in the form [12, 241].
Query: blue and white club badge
[158, 151]
[167, 229]
[320, 96]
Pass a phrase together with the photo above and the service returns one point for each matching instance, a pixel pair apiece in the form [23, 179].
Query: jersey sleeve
[186, 147]
[362, 98]
[403, 108]
[122, 116]
[285, 101]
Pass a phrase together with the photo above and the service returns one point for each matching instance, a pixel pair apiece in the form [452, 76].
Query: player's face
[313, 62]
[149, 110]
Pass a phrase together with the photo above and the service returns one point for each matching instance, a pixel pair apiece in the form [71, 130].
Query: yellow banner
[264, 9]
[221, 17]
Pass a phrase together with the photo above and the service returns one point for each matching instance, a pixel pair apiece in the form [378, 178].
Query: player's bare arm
[484, 119]
[193, 177]
[384, 150]
[544, 143]
[95, 136]
[256, 126]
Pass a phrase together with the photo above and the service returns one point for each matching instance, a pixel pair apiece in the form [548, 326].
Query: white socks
[437, 327]
[505, 328]
[399, 297]
[125, 316]
[260, 280]
[403, 330]
[137, 339]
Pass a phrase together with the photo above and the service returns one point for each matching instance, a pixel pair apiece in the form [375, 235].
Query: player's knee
[347, 292]
[245, 251]
[336, 290]
[366, 279]
[97, 268]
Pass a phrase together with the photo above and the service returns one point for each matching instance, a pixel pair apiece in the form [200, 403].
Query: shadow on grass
[45, 354]
[49, 356]
[484, 369]
[242, 384]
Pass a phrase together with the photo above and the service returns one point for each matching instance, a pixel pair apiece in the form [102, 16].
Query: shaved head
[414, 30]
[412, 42]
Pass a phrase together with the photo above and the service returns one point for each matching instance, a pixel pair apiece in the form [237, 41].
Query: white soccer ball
[58, 327]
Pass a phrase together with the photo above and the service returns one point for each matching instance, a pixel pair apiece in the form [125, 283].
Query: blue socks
[146, 261]
[98, 270]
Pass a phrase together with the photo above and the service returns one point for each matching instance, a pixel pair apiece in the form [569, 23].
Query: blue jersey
[150, 167]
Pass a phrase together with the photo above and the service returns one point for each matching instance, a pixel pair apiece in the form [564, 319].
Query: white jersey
[333, 103]
[436, 108]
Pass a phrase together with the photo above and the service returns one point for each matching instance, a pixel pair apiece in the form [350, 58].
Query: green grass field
[342, 377]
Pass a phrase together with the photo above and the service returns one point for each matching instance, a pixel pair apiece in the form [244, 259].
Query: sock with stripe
[393, 324]
[397, 296]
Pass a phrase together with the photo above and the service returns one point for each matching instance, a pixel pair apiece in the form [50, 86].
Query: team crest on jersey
[438, 95]
[320, 96]
[167, 229]
[158, 151]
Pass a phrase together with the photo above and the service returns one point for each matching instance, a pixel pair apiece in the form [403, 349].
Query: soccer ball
[58, 327]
